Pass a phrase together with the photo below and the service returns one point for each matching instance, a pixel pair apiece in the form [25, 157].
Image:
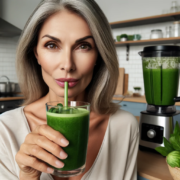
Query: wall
[17, 12]
[117, 10]
[7, 58]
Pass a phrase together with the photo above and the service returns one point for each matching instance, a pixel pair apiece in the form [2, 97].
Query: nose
[67, 63]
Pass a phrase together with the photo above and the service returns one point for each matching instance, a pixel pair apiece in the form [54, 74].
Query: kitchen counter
[141, 99]
[11, 98]
[152, 166]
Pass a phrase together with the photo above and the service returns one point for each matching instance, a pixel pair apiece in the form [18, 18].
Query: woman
[72, 40]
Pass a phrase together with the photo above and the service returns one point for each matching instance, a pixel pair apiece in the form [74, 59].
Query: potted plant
[171, 151]
[123, 37]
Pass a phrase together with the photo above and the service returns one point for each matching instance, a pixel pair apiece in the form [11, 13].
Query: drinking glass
[73, 123]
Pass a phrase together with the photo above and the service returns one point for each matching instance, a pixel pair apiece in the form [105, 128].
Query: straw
[66, 94]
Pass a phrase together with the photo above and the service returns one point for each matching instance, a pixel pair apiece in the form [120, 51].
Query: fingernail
[63, 155]
[65, 142]
[50, 170]
[59, 164]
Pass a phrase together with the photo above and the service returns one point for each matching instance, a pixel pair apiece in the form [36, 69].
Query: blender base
[153, 127]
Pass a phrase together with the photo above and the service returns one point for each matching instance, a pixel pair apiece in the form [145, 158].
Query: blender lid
[161, 48]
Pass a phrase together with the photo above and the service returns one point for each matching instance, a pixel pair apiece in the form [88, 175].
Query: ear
[36, 54]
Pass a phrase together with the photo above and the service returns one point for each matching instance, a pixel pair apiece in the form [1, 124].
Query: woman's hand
[40, 146]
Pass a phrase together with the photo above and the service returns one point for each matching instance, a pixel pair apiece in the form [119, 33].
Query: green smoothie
[75, 128]
[161, 85]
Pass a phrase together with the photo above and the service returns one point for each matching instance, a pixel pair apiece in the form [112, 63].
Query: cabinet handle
[124, 105]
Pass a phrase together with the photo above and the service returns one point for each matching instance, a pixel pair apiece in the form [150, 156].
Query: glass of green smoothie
[73, 122]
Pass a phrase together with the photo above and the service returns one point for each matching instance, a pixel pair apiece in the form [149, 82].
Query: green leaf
[168, 145]
[60, 105]
[176, 129]
[175, 141]
[173, 159]
[51, 110]
[55, 110]
[162, 150]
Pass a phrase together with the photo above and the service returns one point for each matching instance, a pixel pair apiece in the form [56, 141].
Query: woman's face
[66, 51]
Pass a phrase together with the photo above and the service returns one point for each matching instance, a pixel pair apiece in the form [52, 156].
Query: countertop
[152, 166]
[11, 98]
[141, 99]
[16, 96]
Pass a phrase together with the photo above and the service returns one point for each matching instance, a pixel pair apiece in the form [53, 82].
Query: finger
[52, 134]
[37, 151]
[24, 161]
[46, 144]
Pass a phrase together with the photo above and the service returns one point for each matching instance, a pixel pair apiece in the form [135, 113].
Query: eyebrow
[58, 40]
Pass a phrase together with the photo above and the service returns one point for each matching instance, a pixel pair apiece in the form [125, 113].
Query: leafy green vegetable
[55, 110]
[51, 110]
[173, 159]
[176, 129]
[162, 150]
[172, 148]
[175, 141]
[168, 145]
[60, 105]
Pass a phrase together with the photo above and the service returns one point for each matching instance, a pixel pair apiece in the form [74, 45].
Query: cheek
[86, 64]
[46, 62]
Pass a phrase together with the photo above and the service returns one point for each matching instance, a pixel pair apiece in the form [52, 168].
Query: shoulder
[13, 125]
[124, 122]
[10, 116]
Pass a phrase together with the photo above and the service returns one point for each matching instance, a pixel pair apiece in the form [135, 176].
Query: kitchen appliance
[161, 80]
[7, 88]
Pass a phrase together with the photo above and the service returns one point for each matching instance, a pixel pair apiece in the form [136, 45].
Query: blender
[161, 81]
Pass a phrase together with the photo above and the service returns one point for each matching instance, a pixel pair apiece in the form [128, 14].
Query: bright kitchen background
[17, 12]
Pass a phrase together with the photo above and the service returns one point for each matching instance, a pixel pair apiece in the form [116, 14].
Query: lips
[71, 82]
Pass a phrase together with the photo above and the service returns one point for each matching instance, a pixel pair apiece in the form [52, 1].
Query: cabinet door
[133, 107]
[178, 108]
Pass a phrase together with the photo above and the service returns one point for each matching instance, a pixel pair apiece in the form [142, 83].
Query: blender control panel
[152, 133]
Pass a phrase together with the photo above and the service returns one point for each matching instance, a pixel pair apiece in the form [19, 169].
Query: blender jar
[161, 74]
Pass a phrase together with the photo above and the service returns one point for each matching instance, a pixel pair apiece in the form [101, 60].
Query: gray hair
[103, 85]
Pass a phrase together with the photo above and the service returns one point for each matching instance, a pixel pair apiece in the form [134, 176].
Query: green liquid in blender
[161, 86]
[75, 128]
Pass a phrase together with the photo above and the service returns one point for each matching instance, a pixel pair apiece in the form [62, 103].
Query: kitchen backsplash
[133, 67]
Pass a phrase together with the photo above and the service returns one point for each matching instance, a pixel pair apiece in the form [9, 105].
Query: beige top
[116, 159]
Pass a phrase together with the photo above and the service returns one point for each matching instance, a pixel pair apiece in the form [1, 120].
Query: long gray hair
[103, 85]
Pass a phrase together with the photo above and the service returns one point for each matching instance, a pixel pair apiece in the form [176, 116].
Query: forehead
[65, 22]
